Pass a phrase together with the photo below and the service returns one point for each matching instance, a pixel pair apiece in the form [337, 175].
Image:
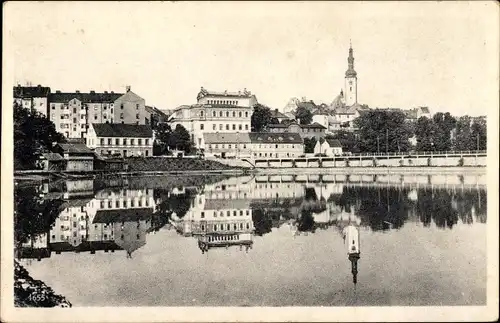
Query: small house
[78, 157]
[328, 147]
[51, 162]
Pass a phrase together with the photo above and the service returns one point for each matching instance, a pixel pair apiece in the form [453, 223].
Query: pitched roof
[92, 97]
[53, 156]
[22, 92]
[223, 204]
[276, 114]
[226, 137]
[130, 96]
[122, 130]
[75, 148]
[307, 104]
[313, 125]
[277, 125]
[275, 137]
[125, 215]
[333, 142]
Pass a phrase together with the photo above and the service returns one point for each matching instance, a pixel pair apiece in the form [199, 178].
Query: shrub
[461, 162]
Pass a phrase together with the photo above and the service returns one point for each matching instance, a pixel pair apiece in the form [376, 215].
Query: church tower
[351, 81]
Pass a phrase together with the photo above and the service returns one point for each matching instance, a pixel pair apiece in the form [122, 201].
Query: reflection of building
[351, 239]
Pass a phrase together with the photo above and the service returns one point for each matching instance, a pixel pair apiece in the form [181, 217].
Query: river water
[258, 240]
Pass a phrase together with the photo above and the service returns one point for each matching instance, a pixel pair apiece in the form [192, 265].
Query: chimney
[128, 88]
[39, 86]
[58, 91]
[105, 92]
[112, 92]
[77, 91]
[92, 91]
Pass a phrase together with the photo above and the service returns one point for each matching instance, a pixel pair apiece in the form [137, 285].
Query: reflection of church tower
[351, 81]
[351, 239]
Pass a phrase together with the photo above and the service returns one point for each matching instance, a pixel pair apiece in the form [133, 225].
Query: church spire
[350, 60]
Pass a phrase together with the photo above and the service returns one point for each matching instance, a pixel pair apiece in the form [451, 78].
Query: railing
[419, 153]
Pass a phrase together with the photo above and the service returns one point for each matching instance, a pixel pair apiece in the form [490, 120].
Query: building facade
[125, 140]
[34, 98]
[241, 98]
[276, 145]
[73, 112]
[328, 147]
[227, 145]
[315, 130]
[199, 119]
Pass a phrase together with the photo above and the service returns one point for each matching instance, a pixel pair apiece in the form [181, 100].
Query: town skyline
[426, 61]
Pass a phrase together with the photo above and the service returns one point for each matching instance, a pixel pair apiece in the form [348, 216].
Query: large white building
[32, 97]
[215, 112]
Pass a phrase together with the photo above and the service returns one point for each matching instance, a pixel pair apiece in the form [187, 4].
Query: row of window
[124, 142]
[82, 107]
[227, 227]
[228, 127]
[223, 238]
[227, 114]
[272, 146]
[124, 204]
[232, 102]
[124, 153]
[276, 155]
[228, 213]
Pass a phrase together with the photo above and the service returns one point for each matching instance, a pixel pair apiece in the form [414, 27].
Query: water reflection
[90, 216]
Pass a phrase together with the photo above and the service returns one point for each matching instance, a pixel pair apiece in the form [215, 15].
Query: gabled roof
[307, 104]
[122, 215]
[130, 96]
[276, 114]
[275, 137]
[224, 204]
[25, 92]
[75, 149]
[226, 137]
[313, 125]
[52, 156]
[122, 130]
[92, 97]
[333, 142]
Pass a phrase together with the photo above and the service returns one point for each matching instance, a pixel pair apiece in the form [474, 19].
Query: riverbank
[373, 170]
[29, 292]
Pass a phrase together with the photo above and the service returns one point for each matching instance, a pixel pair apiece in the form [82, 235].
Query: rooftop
[276, 114]
[240, 94]
[226, 137]
[22, 92]
[122, 130]
[275, 137]
[74, 149]
[53, 156]
[122, 215]
[91, 97]
[333, 142]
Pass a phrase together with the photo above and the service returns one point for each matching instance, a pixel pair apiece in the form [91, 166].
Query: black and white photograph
[250, 161]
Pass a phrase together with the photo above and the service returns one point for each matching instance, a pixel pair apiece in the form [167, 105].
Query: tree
[309, 144]
[479, 133]
[33, 134]
[383, 130]
[163, 134]
[347, 140]
[180, 139]
[463, 135]
[304, 115]
[424, 131]
[261, 117]
[443, 125]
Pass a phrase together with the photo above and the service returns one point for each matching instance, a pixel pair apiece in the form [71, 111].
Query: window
[240, 127]
[214, 127]
[239, 114]
[244, 146]
[215, 214]
[139, 142]
[137, 106]
[220, 114]
[227, 126]
[246, 114]
[124, 141]
[95, 117]
[74, 110]
[201, 114]
[125, 203]
[222, 146]
[102, 204]
[228, 213]
[246, 127]
[214, 114]
[276, 146]
[234, 213]
[109, 141]
[220, 126]
[121, 106]
[74, 120]
[132, 142]
[147, 142]
[121, 115]
[74, 224]
[137, 116]
[229, 146]
[117, 141]
[234, 127]
[227, 114]
[202, 214]
[216, 146]
[202, 126]
[234, 114]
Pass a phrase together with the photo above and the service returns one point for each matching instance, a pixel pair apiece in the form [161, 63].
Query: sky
[438, 54]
